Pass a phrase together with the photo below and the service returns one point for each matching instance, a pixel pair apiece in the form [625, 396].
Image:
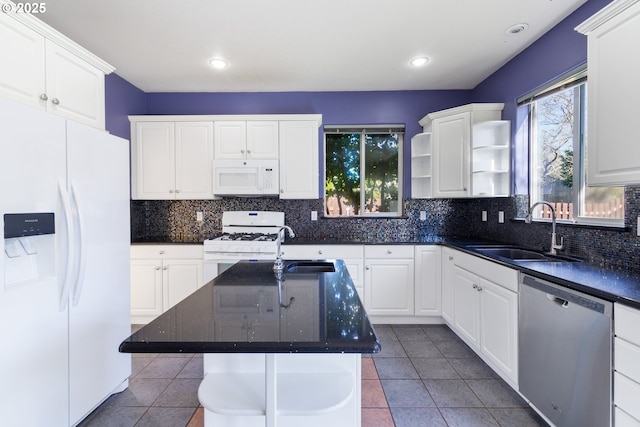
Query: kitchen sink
[311, 267]
[519, 254]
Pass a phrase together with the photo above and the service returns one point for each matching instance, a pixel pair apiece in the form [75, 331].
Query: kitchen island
[279, 350]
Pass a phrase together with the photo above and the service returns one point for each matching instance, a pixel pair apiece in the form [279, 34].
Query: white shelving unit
[490, 159]
[421, 166]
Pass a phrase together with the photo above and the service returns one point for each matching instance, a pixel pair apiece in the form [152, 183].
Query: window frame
[363, 130]
[575, 80]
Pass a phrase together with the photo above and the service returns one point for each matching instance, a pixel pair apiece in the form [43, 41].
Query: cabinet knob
[242, 151]
[161, 252]
[450, 258]
[44, 97]
[464, 188]
[389, 251]
[177, 191]
[367, 268]
[320, 252]
[157, 268]
[55, 101]
[248, 151]
[165, 268]
[170, 191]
[282, 190]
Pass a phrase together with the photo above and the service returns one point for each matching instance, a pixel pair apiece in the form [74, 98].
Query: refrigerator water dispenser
[29, 247]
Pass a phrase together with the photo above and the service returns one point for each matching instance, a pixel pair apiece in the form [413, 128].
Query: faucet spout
[555, 247]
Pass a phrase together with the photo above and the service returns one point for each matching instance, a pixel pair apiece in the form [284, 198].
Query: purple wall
[560, 50]
[122, 99]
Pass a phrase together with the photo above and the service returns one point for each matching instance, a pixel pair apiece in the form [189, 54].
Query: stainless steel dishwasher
[565, 342]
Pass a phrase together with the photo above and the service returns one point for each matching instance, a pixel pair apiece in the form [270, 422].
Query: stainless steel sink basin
[311, 267]
[519, 254]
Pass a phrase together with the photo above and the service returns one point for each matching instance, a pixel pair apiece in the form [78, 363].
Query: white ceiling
[304, 45]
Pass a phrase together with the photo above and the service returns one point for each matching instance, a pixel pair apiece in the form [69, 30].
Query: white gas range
[246, 235]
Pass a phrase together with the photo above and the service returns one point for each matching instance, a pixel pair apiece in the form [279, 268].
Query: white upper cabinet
[171, 160]
[613, 149]
[44, 69]
[299, 169]
[463, 152]
[254, 139]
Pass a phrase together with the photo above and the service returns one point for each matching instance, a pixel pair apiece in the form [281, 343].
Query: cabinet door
[448, 280]
[427, 281]
[22, 72]
[180, 278]
[613, 149]
[153, 161]
[146, 287]
[498, 327]
[262, 139]
[230, 139]
[451, 139]
[467, 306]
[389, 286]
[299, 177]
[75, 88]
[194, 160]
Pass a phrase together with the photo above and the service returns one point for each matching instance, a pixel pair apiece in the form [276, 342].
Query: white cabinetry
[253, 139]
[613, 149]
[299, 169]
[427, 280]
[46, 70]
[162, 276]
[389, 280]
[485, 311]
[626, 378]
[448, 280]
[352, 255]
[444, 158]
[171, 160]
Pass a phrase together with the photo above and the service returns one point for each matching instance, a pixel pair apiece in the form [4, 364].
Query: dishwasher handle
[561, 302]
[563, 296]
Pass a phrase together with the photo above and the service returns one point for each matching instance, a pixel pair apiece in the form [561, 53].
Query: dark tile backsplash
[175, 221]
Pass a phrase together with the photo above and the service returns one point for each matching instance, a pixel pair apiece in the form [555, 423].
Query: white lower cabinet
[626, 378]
[162, 276]
[389, 280]
[427, 280]
[448, 272]
[485, 312]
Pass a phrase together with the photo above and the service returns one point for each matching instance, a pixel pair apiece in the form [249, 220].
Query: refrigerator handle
[82, 250]
[66, 280]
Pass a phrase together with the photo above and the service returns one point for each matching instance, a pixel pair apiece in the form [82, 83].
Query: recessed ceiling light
[516, 29]
[420, 61]
[218, 63]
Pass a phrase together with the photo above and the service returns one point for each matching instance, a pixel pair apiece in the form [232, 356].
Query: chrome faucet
[278, 265]
[555, 247]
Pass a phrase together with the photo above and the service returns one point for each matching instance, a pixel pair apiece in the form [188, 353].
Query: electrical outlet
[638, 232]
[423, 215]
[314, 215]
[484, 216]
[199, 217]
[501, 217]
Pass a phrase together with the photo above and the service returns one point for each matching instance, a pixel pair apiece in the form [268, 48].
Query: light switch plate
[314, 215]
[501, 217]
[199, 217]
[423, 215]
[484, 216]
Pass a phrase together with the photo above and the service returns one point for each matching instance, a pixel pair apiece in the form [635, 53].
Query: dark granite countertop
[247, 310]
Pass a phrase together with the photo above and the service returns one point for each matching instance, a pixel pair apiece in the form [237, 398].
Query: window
[558, 159]
[363, 171]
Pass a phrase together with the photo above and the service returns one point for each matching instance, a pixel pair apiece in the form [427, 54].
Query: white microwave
[232, 177]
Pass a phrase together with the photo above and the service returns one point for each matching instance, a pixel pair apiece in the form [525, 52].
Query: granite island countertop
[247, 310]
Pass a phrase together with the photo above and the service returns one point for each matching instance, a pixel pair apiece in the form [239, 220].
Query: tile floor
[425, 376]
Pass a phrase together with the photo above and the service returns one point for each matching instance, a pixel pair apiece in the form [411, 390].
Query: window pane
[381, 173]
[552, 180]
[342, 174]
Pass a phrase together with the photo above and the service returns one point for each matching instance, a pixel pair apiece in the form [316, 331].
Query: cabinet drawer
[626, 321]
[626, 394]
[389, 251]
[622, 419]
[499, 274]
[626, 359]
[179, 251]
[322, 251]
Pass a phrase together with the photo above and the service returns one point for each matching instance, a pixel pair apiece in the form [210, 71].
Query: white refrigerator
[64, 273]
